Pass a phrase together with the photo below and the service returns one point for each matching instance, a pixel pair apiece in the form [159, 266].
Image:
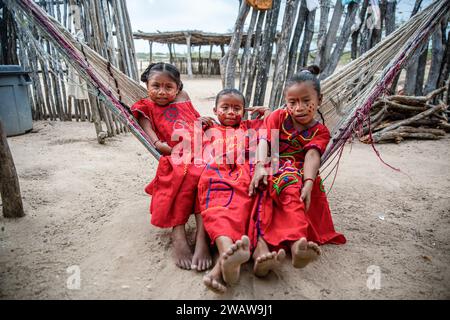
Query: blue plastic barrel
[15, 109]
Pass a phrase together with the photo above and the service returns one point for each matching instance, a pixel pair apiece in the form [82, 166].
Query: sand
[86, 211]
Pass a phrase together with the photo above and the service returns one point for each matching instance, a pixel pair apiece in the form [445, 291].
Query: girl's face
[161, 88]
[229, 110]
[302, 102]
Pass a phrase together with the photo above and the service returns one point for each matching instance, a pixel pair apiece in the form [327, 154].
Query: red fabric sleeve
[274, 121]
[141, 108]
[320, 139]
[254, 124]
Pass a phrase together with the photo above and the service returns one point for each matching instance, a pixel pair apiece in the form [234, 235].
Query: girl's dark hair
[306, 74]
[167, 68]
[233, 91]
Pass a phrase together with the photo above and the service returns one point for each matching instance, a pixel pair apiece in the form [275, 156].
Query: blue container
[15, 109]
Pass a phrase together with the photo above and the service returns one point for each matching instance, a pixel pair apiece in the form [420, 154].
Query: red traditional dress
[226, 208]
[174, 187]
[287, 220]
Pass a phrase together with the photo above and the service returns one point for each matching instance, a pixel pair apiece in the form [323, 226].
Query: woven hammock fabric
[348, 94]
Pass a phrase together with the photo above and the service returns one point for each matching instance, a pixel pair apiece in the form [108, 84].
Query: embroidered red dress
[174, 187]
[287, 220]
[226, 208]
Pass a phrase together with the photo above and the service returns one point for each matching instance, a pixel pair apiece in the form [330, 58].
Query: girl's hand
[207, 121]
[305, 195]
[163, 148]
[259, 175]
[260, 111]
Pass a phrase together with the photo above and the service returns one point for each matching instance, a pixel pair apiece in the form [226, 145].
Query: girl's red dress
[174, 187]
[225, 206]
[286, 220]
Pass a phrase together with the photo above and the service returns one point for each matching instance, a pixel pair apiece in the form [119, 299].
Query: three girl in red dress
[243, 210]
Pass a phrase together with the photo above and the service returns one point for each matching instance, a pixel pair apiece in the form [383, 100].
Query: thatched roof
[198, 38]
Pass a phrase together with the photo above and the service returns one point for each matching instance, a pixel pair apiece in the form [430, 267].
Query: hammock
[348, 93]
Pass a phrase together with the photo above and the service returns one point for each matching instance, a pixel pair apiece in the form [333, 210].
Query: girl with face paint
[228, 212]
[299, 219]
[173, 189]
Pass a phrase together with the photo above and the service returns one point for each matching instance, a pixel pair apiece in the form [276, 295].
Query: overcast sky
[175, 15]
[204, 15]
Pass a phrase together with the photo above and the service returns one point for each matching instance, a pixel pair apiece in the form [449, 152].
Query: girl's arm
[162, 147]
[310, 170]
[260, 172]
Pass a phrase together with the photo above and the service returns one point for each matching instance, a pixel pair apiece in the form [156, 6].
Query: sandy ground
[86, 208]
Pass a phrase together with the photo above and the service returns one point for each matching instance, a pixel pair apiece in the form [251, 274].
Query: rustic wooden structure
[398, 117]
[104, 26]
[192, 38]
[358, 22]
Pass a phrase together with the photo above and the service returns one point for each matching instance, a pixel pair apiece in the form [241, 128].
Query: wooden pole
[9, 183]
[437, 55]
[321, 36]
[189, 54]
[169, 45]
[246, 53]
[254, 61]
[357, 32]
[235, 43]
[210, 59]
[282, 52]
[342, 41]
[265, 55]
[307, 38]
[200, 66]
[150, 44]
[332, 32]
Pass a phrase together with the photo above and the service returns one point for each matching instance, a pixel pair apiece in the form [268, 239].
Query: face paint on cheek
[221, 116]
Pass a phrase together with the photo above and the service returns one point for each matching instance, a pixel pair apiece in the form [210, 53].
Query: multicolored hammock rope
[348, 94]
[80, 62]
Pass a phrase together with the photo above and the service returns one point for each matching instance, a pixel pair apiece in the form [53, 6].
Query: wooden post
[307, 38]
[9, 183]
[265, 55]
[321, 36]
[235, 43]
[332, 32]
[254, 61]
[189, 54]
[246, 53]
[169, 45]
[282, 52]
[390, 16]
[411, 70]
[210, 59]
[150, 44]
[342, 41]
[437, 55]
[357, 32]
[200, 66]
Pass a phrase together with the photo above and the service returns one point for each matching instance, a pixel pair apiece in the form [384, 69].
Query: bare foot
[303, 252]
[201, 260]
[232, 259]
[183, 253]
[266, 262]
[213, 280]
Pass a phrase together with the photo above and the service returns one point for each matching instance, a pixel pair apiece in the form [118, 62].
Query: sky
[175, 15]
[204, 15]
